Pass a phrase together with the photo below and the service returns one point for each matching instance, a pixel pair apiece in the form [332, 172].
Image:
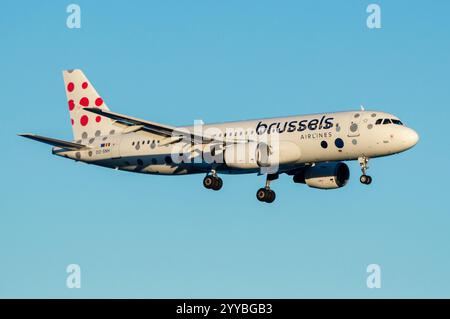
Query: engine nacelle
[256, 155]
[324, 175]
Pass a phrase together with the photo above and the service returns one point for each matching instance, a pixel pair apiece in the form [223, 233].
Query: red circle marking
[71, 121]
[71, 105]
[84, 101]
[98, 101]
[70, 86]
[84, 120]
[98, 119]
[84, 85]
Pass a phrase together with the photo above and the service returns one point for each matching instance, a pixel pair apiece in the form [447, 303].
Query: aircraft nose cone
[411, 138]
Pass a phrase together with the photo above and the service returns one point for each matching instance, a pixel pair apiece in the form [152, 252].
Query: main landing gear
[266, 194]
[212, 181]
[363, 162]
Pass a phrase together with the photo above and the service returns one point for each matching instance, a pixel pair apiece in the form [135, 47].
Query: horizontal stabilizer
[54, 141]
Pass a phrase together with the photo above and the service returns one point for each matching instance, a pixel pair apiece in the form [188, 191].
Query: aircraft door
[353, 127]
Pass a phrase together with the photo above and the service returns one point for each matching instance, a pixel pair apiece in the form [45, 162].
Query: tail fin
[80, 94]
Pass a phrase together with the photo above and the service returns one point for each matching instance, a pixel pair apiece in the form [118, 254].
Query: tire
[363, 179]
[270, 196]
[208, 182]
[369, 180]
[261, 194]
[217, 183]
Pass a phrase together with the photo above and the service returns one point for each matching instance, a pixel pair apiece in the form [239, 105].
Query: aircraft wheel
[265, 195]
[217, 183]
[270, 196]
[208, 181]
[365, 179]
[261, 194]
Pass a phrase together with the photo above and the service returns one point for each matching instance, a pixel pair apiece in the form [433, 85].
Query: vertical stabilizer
[81, 94]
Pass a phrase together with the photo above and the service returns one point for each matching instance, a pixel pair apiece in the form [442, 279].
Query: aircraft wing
[136, 124]
[54, 141]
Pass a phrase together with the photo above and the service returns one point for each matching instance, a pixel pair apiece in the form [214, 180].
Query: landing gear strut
[266, 194]
[363, 162]
[212, 181]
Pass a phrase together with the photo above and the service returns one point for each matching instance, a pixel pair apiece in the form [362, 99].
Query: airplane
[310, 148]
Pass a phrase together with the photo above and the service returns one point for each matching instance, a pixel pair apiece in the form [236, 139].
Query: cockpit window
[388, 121]
[397, 122]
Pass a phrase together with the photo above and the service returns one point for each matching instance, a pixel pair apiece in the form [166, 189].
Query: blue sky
[175, 61]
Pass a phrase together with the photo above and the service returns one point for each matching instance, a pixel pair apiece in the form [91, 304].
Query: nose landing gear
[212, 181]
[265, 194]
[363, 162]
[365, 179]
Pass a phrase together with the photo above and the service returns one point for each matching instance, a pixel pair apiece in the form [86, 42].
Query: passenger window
[378, 122]
[386, 121]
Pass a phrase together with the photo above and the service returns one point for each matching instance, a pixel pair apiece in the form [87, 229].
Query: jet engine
[256, 155]
[324, 175]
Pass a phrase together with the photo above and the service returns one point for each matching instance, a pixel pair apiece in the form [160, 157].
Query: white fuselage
[300, 140]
